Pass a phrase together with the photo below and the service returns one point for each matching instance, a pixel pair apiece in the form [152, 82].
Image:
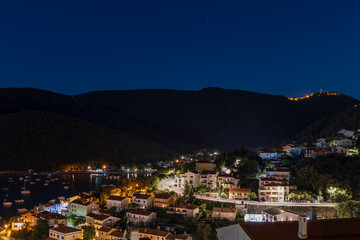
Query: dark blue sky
[277, 47]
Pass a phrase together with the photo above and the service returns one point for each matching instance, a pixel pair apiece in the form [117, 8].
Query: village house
[227, 181]
[314, 152]
[63, 232]
[208, 179]
[138, 216]
[101, 220]
[51, 218]
[347, 133]
[276, 214]
[120, 203]
[189, 210]
[143, 201]
[344, 142]
[268, 154]
[204, 165]
[275, 186]
[239, 193]
[117, 235]
[153, 234]
[81, 208]
[48, 207]
[163, 200]
[190, 177]
[340, 150]
[224, 213]
[321, 143]
[103, 233]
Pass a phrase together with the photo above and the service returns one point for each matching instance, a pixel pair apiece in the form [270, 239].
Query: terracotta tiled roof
[81, 202]
[50, 238]
[142, 196]
[65, 229]
[163, 196]
[206, 172]
[142, 212]
[188, 206]
[100, 217]
[203, 161]
[239, 190]
[116, 198]
[48, 205]
[276, 211]
[49, 215]
[117, 233]
[155, 232]
[105, 229]
[339, 229]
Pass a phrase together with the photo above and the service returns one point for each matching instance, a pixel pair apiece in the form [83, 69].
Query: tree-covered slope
[215, 117]
[346, 119]
[43, 140]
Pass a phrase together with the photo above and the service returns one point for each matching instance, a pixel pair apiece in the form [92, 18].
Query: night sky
[277, 47]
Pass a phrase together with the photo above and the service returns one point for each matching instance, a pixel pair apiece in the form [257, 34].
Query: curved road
[169, 184]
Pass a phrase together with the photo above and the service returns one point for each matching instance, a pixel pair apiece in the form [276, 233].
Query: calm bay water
[42, 194]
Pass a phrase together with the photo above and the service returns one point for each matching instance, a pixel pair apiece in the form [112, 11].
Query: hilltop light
[104, 166]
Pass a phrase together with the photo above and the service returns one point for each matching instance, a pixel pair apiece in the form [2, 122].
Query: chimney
[302, 227]
[134, 235]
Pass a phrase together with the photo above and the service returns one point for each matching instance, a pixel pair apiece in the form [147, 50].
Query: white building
[82, 208]
[276, 214]
[268, 154]
[321, 143]
[347, 133]
[63, 232]
[138, 216]
[344, 142]
[275, 186]
[143, 201]
[120, 203]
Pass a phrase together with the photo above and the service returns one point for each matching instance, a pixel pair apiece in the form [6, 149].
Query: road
[169, 184]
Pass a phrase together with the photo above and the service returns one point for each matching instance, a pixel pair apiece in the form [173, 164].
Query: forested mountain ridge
[223, 118]
[52, 129]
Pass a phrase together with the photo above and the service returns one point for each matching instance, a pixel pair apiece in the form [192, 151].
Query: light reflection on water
[42, 194]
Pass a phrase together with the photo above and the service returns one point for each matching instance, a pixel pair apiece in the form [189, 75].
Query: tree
[348, 209]
[252, 196]
[204, 232]
[190, 224]
[88, 233]
[41, 230]
[338, 194]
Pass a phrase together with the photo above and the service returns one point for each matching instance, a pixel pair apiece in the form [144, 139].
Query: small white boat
[7, 204]
[32, 182]
[26, 176]
[6, 189]
[19, 201]
[25, 192]
[21, 178]
[47, 181]
[57, 179]
[38, 179]
[22, 210]
[66, 187]
[45, 184]
[63, 182]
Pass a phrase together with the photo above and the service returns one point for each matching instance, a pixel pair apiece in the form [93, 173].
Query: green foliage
[187, 167]
[188, 193]
[204, 232]
[240, 217]
[41, 230]
[301, 196]
[348, 209]
[337, 194]
[88, 232]
[202, 190]
[190, 224]
[252, 196]
[76, 221]
[329, 171]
